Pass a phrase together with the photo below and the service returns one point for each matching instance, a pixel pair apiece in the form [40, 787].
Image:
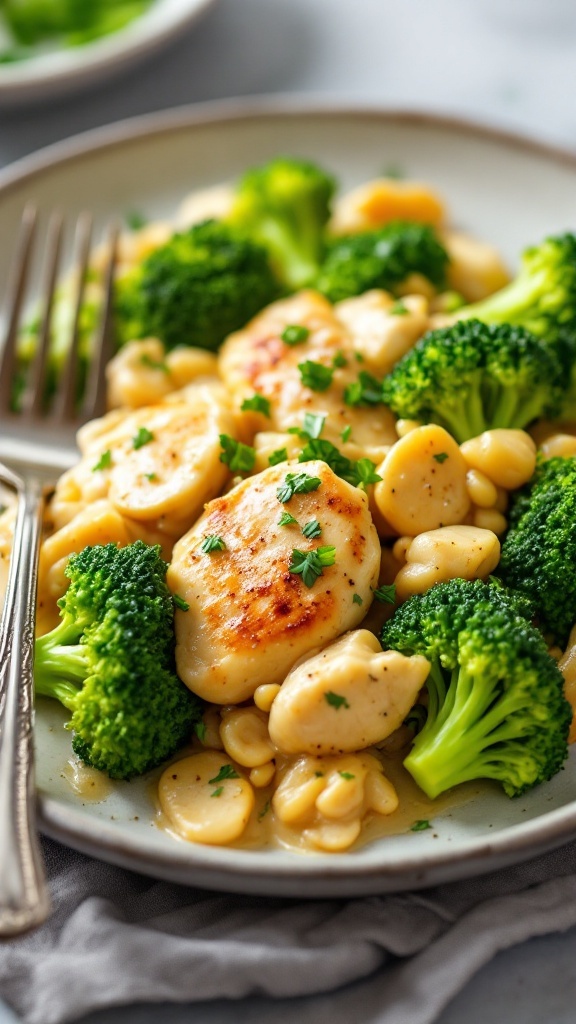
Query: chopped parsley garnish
[104, 462]
[287, 520]
[150, 476]
[200, 730]
[345, 435]
[366, 390]
[359, 473]
[154, 364]
[335, 700]
[144, 436]
[315, 376]
[227, 771]
[319, 775]
[212, 543]
[180, 602]
[398, 309]
[135, 220]
[264, 811]
[386, 594]
[440, 457]
[310, 565]
[3, 509]
[239, 457]
[420, 826]
[313, 424]
[366, 470]
[339, 361]
[356, 599]
[347, 775]
[280, 455]
[256, 404]
[295, 334]
[297, 483]
[312, 529]
[218, 792]
[394, 171]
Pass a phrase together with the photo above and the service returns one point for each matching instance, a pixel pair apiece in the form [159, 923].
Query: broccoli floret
[381, 259]
[539, 551]
[285, 205]
[472, 377]
[542, 298]
[496, 705]
[110, 661]
[200, 286]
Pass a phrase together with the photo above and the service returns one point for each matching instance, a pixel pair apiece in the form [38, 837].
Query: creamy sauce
[265, 831]
[90, 784]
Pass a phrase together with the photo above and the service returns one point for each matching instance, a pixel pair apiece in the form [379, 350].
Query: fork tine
[14, 299]
[66, 398]
[95, 397]
[35, 394]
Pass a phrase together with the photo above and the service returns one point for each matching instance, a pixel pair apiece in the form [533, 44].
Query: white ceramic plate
[509, 191]
[50, 74]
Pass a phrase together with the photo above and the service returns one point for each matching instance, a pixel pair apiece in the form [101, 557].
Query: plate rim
[316, 877]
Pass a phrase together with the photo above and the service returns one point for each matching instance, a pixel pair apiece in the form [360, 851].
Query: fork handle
[24, 901]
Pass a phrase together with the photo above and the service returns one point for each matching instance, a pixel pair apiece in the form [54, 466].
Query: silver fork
[36, 445]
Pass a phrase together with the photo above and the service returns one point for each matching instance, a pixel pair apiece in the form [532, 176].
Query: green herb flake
[154, 364]
[312, 529]
[218, 792]
[339, 361]
[398, 309]
[150, 476]
[386, 594]
[440, 457]
[104, 462]
[227, 771]
[347, 775]
[310, 565]
[144, 436]
[421, 825]
[200, 730]
[212, 543]
[319, 775]
[287, 520]
[279, 455]
[295, 334]
[239, 457]
[315, 376]
[297, 483]
[366, 470]
[313, 424]
[335, 700]
[180, 602]
[256, 404]
[3, 509]
[356, 599]
[264, 810]
[345, 435]
[365, 391]
[135, 220]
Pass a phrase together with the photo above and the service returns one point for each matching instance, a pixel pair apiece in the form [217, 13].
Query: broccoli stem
[60, 664]
[465, 737]
[467, 419]
[513, 302]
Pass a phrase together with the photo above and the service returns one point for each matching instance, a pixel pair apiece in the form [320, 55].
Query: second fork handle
[24, 901]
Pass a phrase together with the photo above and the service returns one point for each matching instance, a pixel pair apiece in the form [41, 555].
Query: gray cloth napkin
[116, 937]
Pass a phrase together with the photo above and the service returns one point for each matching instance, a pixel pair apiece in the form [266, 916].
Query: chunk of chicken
[381, 334]
[256, 359]
[163, 463]
[349, 696]
[250, 618]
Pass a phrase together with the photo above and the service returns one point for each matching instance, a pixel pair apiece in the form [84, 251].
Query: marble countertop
[509, 64]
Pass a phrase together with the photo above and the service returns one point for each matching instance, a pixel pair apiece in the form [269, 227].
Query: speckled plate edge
[243, 871]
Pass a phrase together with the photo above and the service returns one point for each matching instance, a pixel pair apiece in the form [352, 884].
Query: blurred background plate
[48, 75]
[507, 190]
